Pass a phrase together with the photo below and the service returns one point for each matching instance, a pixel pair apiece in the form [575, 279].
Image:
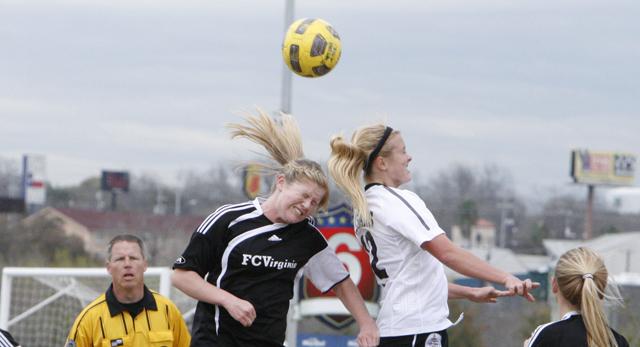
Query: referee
[129, 314]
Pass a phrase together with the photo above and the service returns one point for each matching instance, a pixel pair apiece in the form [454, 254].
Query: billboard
[15, 205]
[115, 180]
[252, 181]
[607, 168]
[34, 190]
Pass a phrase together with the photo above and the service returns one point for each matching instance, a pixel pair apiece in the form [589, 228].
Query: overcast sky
[146, 86]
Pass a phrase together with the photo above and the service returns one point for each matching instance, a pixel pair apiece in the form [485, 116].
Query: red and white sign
[337, 227]
[33, 177]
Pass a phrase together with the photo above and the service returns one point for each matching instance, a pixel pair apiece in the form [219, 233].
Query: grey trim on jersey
[212, 218]
[540, 328]
[232, 244]
[408, 206]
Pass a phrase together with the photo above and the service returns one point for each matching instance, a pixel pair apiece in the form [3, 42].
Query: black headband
[376, 151]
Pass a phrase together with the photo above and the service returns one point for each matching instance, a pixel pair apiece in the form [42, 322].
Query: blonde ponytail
[345, 166]
[582, 280]
[347, 163]
[283, 142]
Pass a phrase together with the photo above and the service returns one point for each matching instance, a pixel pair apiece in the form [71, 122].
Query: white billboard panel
[33, 179]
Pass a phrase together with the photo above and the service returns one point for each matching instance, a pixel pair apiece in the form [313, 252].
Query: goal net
[39, 305]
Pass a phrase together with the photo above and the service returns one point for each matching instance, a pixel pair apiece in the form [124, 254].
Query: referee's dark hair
[127, 238]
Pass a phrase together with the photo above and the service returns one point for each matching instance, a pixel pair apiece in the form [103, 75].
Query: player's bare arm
[468, 264]
[347, 292]
[196, 287]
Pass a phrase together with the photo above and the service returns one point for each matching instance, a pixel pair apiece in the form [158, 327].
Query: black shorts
[432, 339]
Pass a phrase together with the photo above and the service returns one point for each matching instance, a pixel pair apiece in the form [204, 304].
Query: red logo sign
[337, 227]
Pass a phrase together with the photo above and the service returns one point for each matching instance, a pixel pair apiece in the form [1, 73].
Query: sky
[147, 85]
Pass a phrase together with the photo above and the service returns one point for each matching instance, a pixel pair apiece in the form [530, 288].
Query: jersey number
[370, 246]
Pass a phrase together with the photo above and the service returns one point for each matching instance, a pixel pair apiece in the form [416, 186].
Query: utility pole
[505, 206]
[285, 107]
[588, 222]
[285, 96]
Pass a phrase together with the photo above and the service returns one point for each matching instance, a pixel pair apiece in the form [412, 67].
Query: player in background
[242, 260]
[406, 246]
[579, 285]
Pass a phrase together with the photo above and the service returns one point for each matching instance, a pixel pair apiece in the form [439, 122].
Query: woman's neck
[377, 179]
[564, 305]
[269, 210]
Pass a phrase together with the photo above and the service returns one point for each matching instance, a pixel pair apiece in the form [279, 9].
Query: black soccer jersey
[6, 340]
[238, 249]
[568, 331]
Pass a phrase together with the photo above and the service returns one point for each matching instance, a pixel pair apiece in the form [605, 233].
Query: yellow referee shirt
[154, 321]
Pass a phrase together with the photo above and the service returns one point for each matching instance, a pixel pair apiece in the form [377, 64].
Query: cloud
[147, 85]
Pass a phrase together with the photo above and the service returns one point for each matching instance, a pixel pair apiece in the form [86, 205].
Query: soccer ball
[311, 47]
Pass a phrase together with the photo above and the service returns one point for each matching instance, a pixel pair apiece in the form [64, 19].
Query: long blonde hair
[582, 279]
[283, 142]
[347, 163]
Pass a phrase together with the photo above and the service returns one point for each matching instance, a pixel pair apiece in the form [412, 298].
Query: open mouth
[128, 276]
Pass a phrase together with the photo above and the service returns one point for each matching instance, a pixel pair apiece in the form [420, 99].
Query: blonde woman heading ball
[406, 246]
[242, 261]
[579, 286]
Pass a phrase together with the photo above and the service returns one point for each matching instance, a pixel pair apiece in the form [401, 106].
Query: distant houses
[165, 235]
[621, 253]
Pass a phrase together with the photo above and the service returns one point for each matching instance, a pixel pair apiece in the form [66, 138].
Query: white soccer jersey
[414, 286]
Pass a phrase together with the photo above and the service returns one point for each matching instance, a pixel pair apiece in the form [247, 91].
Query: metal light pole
[285, 97]
[588, 223]
[291, 338]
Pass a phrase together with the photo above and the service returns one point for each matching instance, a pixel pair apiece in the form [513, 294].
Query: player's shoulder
[389, 199]
[311, 229]
[547, 334]
[225, 214]
[622, 341]
[234, 209]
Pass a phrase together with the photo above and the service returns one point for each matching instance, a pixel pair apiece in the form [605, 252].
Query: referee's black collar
[372, 184]
[115, 307]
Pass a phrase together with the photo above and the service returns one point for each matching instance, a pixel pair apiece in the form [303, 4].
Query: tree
[460, 195]
[41, 243]
[80, 196]
[9, 178]
[204, 193]
[467, 216]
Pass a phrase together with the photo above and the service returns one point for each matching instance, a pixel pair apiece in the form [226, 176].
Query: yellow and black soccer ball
[311, 47]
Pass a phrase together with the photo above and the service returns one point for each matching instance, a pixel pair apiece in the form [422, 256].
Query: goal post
[38, 305]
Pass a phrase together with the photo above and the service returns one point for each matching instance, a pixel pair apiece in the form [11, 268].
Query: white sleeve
[411, 218]
[325, 270]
